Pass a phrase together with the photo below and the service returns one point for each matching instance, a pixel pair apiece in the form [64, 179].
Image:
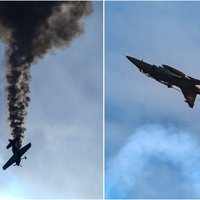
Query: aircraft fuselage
[170, 77]
[16, 154]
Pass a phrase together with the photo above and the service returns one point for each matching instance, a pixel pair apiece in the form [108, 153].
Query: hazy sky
[152, 136]
[64, 122]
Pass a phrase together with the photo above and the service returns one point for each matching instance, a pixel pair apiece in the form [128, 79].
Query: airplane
[17, 153]
[170, 77]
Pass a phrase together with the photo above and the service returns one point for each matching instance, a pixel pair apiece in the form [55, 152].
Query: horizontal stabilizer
[9, 145]
[190, 96]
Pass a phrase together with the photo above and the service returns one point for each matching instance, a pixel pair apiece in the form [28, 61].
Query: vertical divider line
[104, 99]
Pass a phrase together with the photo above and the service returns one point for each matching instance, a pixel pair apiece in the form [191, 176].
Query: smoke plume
[30, 29]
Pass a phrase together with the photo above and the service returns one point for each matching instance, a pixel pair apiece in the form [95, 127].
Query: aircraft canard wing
[24, 149]
[190, 96]
[10, 162]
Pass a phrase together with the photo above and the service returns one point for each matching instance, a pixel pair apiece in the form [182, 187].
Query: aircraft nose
[128, 57]
[135, 61]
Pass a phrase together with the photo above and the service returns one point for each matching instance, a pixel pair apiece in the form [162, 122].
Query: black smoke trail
[30, 29]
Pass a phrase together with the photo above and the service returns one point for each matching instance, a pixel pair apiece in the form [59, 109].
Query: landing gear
[169, 85]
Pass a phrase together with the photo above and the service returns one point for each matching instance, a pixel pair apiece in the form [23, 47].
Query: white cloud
[152, 163]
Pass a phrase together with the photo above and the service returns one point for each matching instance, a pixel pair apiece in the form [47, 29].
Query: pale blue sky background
[64, 122]
[152, 136]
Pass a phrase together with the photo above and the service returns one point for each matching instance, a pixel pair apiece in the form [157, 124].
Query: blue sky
[65, 160]
[152, 136]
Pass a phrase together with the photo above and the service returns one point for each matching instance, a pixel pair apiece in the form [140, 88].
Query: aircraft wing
[190, 96]
[24, 149]
[10, 162]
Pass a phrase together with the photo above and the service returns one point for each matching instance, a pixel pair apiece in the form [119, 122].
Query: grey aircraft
[17, 153]
[170, 77]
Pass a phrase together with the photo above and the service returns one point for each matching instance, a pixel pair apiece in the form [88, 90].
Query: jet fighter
[170, 77]
[17, 153]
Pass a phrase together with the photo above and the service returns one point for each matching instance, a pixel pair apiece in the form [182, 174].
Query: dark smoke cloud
[30, 29]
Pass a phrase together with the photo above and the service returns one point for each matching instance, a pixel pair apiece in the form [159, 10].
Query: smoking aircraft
[17, 153]
[170, 77]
